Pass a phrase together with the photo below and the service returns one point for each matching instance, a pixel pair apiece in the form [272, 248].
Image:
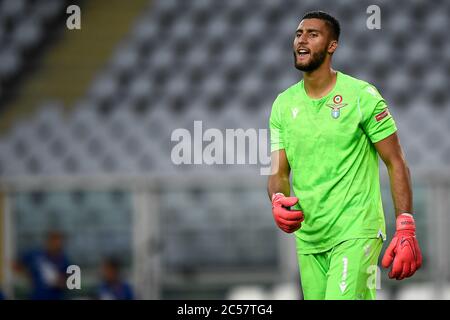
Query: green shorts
[348, 271]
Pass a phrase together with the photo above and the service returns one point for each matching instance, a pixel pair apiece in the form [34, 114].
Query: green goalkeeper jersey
[334, 164]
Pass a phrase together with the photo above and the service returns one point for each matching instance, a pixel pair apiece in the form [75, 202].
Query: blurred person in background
[330, 128]
[112, 286]
[2, 297]
[46, 268]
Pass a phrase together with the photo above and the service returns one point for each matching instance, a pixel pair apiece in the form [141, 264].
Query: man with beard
[328, 129]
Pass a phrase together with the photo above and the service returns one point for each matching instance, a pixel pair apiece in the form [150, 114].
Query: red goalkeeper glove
[403, 251]
[286, 219]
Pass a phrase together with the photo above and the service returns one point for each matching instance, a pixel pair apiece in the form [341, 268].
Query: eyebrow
[308, 30]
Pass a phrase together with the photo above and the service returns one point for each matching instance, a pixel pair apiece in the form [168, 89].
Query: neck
[320, 82]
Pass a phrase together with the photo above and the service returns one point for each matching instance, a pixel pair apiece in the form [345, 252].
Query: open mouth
[303, 52]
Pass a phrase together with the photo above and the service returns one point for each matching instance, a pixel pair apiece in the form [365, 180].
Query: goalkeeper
[328, 130]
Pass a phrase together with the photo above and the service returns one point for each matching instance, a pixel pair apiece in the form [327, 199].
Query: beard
[317, 58]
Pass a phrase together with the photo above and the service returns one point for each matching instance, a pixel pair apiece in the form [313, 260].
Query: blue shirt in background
[119, 291]
[46, 271]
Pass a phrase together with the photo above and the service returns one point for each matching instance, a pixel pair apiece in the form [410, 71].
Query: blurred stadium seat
[23, 28]
[247, 293]
[424, 292]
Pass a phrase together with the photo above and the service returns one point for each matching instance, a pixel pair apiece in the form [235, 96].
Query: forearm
[278, 183]
[401, 190]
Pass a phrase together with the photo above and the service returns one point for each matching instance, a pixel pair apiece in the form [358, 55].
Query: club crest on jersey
[336, 106]
[294, 113]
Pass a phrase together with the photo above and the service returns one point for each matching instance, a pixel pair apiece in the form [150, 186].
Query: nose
[300, 40]
[303, 38]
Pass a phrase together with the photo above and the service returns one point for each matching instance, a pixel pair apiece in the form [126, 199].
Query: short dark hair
[331, 21]
[54, 233]
[112, 262]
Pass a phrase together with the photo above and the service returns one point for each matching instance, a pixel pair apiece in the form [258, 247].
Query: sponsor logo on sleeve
[383, 114]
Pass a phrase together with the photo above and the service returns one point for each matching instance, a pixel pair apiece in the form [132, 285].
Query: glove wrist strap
[405, 221]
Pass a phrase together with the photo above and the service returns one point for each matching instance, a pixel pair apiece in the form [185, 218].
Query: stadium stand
[159, 78]
[24, 29]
